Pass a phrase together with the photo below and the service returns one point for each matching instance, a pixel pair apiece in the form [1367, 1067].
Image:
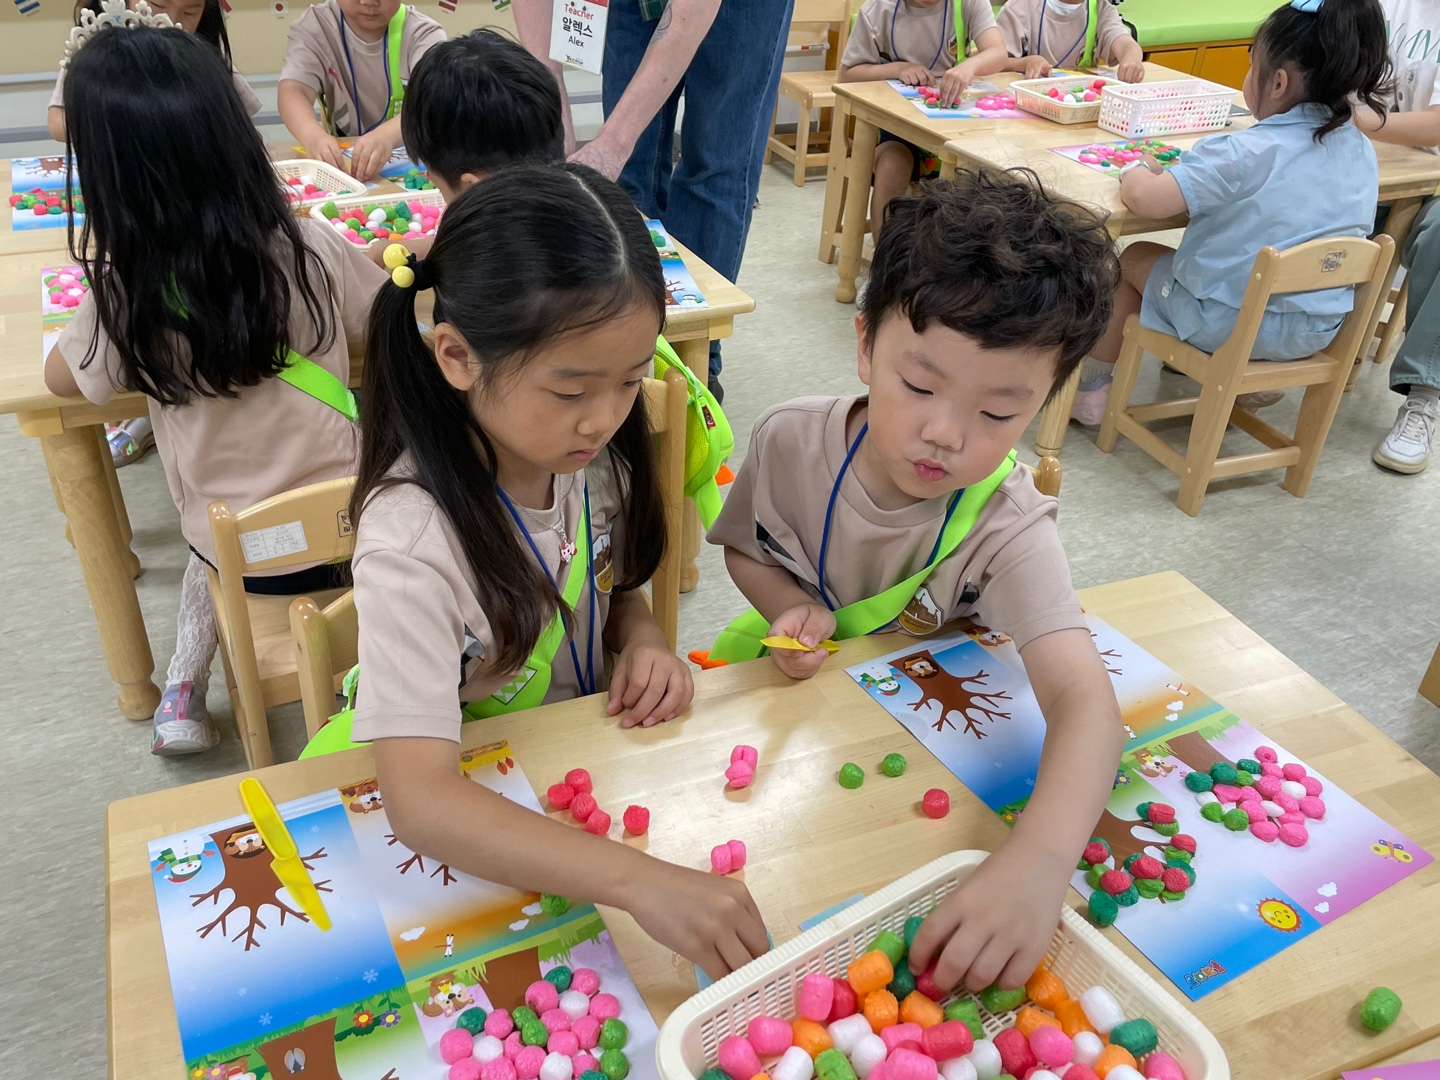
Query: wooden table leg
[1056, 418]
[55, 489]
[1403, 213]
[831, 220]
[78, 470]
[857, 195]
[122, 515]
[948, 165]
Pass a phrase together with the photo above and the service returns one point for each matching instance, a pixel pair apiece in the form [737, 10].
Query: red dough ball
[1145, 867]
[843, 1004]
[1161, 814]
[637, 820]
[582, 806]
[1174, 879]
[936, 803]
[579, 779]
[1183, 841]
[1096, 852]
[598, 822]
[1114, 882]
[560, 796]
[947, 1039]
[925, 983]
[1076, 1071]
[1015, 1053]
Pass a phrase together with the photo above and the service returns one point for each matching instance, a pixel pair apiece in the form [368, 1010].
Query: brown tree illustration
[1194, 750]
[251, 883]
[1109, 656]
[309, 1052]
[52, 166]
[506, 977]
[952, 693]
[1120, 835]
[417, 860]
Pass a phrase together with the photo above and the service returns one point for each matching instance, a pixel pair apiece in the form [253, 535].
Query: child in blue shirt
[1302, 172]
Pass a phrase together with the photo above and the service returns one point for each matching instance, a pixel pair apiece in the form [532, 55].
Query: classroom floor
[1337, 581]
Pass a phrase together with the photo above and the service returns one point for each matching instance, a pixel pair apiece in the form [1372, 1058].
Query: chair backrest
[1327, 263]
[826, 16]
[326, 640]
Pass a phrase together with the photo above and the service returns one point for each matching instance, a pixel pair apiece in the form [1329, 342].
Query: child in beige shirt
[919, 43]
[1044, 34]
[356, 57]
[984, 295]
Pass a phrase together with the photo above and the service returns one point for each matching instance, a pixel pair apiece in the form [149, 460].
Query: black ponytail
[1339, 50]
[520, 259]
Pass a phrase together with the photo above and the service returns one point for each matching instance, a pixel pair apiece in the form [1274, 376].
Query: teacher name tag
[577, 36]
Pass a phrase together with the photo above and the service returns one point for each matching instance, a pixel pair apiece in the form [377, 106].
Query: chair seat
[813, 88]
[274, 647]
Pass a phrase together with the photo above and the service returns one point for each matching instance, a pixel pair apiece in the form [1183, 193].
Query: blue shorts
[1171, 308]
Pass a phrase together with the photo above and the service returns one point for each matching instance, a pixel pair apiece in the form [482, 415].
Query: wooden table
[72, 437]
[877, 107]
[1407, 178]
[812, 843]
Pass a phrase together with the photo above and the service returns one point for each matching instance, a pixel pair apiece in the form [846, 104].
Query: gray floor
[1337, 581]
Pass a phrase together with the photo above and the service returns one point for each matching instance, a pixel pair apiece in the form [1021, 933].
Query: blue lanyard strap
[959, 48]
[586, 677]
[361, 129]
[1040, 35]
[830, 513]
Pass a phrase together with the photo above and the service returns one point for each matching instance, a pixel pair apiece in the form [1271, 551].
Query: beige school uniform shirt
[1009, 573]
[247, 96]
[1058, 29]
[425, 643]
[887, 31]
[315, 56]
[272, 437]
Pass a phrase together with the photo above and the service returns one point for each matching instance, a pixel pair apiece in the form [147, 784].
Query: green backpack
[708, 438]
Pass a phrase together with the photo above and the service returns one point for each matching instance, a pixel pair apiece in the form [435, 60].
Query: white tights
[195, 637]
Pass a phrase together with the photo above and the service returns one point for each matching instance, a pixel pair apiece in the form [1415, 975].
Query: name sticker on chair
[261, 545]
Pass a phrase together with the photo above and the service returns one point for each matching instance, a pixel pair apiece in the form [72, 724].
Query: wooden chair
[1430, 684]
[308, 525]
[325, 635]
[1229, 372]
[811, 90]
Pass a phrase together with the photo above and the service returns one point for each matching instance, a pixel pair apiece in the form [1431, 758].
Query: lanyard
[585, 678]
[830, 511]
[361, 129]
[1040, 34]
[959, 47]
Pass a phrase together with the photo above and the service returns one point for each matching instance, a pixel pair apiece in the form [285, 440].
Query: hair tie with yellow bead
[405, 270]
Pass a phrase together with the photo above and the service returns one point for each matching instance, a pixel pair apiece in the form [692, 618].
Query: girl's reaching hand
[650, 684]
[710, 920]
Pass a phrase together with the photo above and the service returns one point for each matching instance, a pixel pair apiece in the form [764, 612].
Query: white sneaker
[1089, 406]
[182, 725]
[1407, 448]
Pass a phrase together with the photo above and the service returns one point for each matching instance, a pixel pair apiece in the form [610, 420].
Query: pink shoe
[1089, 406]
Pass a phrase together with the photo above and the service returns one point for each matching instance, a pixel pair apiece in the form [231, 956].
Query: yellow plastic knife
[795, 644]
[285, 856]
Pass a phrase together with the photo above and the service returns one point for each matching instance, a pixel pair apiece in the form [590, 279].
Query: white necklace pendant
[567, 551]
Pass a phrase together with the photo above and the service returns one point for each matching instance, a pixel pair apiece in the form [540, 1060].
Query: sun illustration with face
[1280, 915]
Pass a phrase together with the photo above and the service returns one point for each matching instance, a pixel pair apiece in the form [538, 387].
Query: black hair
[211, 27]
[480, 102]
[1339, 50]
[188, 242]
[995, 257]
[530, 255]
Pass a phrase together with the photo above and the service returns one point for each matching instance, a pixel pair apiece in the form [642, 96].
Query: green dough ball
[999, 1001]
[472, 1020]
[522, 1013]
[833, 1065]
[1174, 855]
[1212, 812]
[1082, 865]
[1170, 897]
[1244, 779]
[1143, 811]
[851, 775]
[912, 927]
[1094, 874]
[1198, 781]
[1004, 1076]
[534, 1033]
[614, 1035]
[1250, 765]
[1236, 820]
[1128, 897]
[1101, 841]
[1167, 828]
[1149, 888]
[330, 210]
[560, 977]
[1131, 860]
[553, 905]
[1183, 865]
[903, 985]
[1103, 909]
[967, 1012]
[614, 1064]
[891, 944]
[893, 765]
[1381, 1007]
[710, 1074]
[1138, 1036]
[1223, 773]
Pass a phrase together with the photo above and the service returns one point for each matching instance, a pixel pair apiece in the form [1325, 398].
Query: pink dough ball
[513, 1045]
[555, 1020]
[499, 1024]
[1248, 795]
[1265, 830]
[466, 1069]
[1161, 1066]
[906, 1064]
[607, 1006]
[1226, 792]
[1311, 785]
[1294, 771]
[584, 1063]
[587, 1030]
[817, 994]
[1266, 753]
[585, 980]
[1291, 817]
[1313, 807]
[769, 1035]
[542, 996]
[1051, 1045]
[563, 1042]
[1288, 801]
[1268, 786]
[1254, 811]
[501, 1068]
[528, 1062]
[896, 1034]
[1269, 768]
[738, 1058]
[1294, 834]
[455, 1044]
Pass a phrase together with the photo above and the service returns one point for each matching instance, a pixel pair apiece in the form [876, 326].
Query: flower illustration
[364, 1018]
[390, 1019]
[215, 1072]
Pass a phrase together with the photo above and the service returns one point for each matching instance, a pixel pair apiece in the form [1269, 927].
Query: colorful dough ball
[1115, 882]
[556, 1066]
[1223, 773]
[1052, 1046]
[1015, 1053]
[1161, 813]
[1096, 851]
[1146, 867]
[1159, 1065]
[1175, 880]
[1213, 812]
[851, 775]
[553, 905]
[903, 985]
[579, 779]
[968, 1013]
[1137, 1035]
[816, 994]
[582, 806]
[560, 796]
[598, 823]
[1129, 897]
[1095, 873]
[794, 1064]
[1149, 888]
[1199, 781]
[1380, 1008]
[528, 1062]
[1102, 909]
[585, 1028]
[585, 980]
[845, 1002]
[472, 1020]
[604, 1007]
[737, 1058]
[1293, 834]
[893, 765]
[1293, 771]
[997, 1001]
[637, 820]
[455, 1044]
[936, 803]
[1236, 819]
[1250, 765]
[501, 1068]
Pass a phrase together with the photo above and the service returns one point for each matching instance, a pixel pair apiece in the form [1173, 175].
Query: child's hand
[1036, 67]
[326, 148]
[710, 920]
[369, 153]
[1131, 71]
[810, 624]
[916, 75]
[955, 82]
[997, 926]
[651, 682]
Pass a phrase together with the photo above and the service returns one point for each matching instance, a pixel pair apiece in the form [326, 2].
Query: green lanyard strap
[741, 639]
[309, 377]
[393, 36]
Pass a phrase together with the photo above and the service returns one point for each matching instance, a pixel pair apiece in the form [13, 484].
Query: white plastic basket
[1079, 955]
[1143, 110]
[1032, 95]
[330, 180]
[430, 197]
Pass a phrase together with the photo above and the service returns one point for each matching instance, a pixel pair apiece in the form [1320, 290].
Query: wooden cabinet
[1176, 59]
[1224, 64]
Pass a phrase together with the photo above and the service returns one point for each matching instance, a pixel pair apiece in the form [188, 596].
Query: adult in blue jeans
[724, 59]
